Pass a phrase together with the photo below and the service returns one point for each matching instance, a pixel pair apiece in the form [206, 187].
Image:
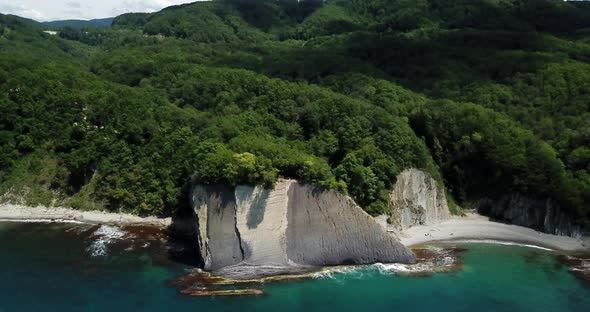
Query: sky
[49, 10]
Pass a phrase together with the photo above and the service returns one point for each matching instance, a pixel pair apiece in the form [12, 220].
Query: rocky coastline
[250, 231]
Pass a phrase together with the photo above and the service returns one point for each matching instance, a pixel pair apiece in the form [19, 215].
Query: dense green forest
[489, 96]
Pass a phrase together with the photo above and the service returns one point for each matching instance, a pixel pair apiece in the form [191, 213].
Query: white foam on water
[574, 269]
[496, 242]
[397, 268]
[330, 273]
[105, 234]
[446, 261]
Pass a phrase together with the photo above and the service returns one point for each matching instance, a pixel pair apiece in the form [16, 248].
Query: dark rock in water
[440, 259]
[224, 293]
[543, 215]
[261, 272]
[579, 266]
[249, 232]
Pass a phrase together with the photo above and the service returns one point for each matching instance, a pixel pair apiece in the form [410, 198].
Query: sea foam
[398, 268]
[497, 242]
[331, 272]
[105, 235]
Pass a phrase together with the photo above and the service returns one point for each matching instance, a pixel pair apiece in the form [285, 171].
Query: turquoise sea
[69, 267]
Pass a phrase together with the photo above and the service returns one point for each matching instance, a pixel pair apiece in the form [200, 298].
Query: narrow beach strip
[20, 213]
[478, 228]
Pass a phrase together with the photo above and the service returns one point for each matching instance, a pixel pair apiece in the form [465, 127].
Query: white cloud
[43, 10]
[142, 6]
[21, 10]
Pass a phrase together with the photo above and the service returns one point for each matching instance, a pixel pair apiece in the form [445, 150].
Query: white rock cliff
[248, 232]
[417, 199]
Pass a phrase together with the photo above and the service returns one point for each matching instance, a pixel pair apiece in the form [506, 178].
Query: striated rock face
[327, 228]
[215, 207]
[250, 232]
[542, 215]
[262, 224]
[416, 199]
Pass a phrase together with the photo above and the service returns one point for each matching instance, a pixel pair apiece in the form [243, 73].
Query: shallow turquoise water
[49, 267]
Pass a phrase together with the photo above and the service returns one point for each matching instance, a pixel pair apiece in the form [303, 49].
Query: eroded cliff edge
[246, 231]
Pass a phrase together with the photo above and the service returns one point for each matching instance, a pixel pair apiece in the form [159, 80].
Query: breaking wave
[497, 242]
[332, 272]
[105, 235]
[398, 268]
[379, 268]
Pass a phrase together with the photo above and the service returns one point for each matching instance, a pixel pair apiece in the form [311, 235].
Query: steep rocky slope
[543, 215]
[417, 199]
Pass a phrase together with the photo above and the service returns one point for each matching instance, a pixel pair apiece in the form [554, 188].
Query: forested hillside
[79, 24]
[489, 96]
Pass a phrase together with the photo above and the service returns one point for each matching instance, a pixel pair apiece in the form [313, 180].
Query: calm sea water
[51, 267]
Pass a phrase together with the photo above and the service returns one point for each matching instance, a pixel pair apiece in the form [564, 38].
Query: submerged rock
[291, 228]
[224, 293]
[579, 266]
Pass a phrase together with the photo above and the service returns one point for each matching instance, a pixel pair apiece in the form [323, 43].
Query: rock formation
[416, 199]
[247, 232]
[543, 215]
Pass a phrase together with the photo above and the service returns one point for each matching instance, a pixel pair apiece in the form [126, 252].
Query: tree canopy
[489, 96]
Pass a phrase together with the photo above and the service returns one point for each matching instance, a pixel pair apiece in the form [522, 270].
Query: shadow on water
[182, 239]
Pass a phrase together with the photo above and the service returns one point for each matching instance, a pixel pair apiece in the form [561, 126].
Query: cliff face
[215, 208]
[327, 228]
[416, 199]
[542, 215]
[249, 231]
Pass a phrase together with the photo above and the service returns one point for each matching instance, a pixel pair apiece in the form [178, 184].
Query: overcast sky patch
[43, 10]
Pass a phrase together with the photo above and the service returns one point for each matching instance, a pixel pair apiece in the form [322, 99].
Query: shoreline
[472, 227]
[477, 228]
[40, 214]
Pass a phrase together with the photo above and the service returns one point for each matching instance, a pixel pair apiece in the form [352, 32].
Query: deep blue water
[52, 267]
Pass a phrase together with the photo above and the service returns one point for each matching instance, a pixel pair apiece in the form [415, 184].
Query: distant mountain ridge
[74, 23]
